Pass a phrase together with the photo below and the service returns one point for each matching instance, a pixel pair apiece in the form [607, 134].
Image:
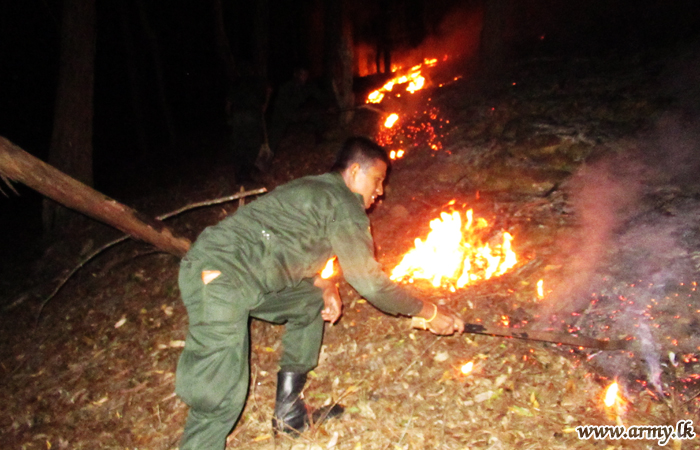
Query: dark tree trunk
[384, 52]
[139, 119]
[339, 57]
[223, 46]
[262, 33]
[158, 68]
[492, 51]
[18, 165]
[71, 141]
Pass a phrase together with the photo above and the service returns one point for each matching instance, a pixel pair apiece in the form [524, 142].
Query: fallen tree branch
[18, 165]
[9, 185]
[217, 201]
[114, 242]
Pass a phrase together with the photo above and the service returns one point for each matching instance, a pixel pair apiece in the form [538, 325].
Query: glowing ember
[611, 395]
[467, 368]
[453, 255]
[396, 154]
[540, 289]
[327, 271]
[424, 128]
[391, 120]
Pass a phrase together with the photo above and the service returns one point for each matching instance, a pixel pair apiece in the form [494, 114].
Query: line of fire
[543, 188]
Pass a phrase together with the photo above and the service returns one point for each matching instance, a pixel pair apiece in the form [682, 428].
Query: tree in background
[71, 139]
[223, 47]
[338, 59]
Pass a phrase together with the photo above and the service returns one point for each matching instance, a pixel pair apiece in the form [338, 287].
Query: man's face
[367, 181]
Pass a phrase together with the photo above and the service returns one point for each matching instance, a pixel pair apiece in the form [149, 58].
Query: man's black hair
[361, 150]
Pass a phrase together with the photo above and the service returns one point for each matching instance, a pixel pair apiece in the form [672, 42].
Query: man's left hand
[333, 306]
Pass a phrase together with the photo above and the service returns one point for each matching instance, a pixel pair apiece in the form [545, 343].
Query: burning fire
[467, 368]
[396, 154]
[414, 80]
[455, 255]
[391, 120]
[540, 289]
[611, 395]
[327, 271]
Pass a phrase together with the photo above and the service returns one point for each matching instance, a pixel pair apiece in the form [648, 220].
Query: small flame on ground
[416, 84]
[611, 396]
[391, 120]
[467, 368]
[375, 97]
[540, 289]
[327, 271]
[454, 254]
[415, 81]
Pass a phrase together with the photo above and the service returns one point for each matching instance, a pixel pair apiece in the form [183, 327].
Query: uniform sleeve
[352, 243]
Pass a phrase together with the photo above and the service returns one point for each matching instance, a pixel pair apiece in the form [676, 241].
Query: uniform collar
[338, 178]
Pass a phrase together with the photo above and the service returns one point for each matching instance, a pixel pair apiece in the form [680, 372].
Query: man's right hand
[438, 321]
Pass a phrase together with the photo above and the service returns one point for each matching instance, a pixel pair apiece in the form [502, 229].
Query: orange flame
[327, 271]
[375, 97]
[453, 255]
[540, 289]
[611, 396]
[416, 84]
[415, 81]
[396, 154]
[467, 368]
[391, 120]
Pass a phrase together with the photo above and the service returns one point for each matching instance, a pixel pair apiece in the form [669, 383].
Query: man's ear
[354, 168]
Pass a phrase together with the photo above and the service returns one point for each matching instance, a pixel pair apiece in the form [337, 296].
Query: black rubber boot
[291, 414]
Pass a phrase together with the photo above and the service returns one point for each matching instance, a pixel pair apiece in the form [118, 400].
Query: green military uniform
[267, 254]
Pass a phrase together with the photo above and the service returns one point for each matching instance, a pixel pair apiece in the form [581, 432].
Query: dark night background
[572, 125]
[193, 79]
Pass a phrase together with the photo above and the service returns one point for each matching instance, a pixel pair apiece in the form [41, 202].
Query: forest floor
[97, 368]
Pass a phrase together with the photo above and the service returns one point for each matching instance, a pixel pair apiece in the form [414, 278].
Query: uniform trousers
[213, 371]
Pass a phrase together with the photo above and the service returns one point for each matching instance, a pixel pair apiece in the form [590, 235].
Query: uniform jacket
[287, 236]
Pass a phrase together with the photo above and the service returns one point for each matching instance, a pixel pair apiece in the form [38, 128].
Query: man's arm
[352, 243]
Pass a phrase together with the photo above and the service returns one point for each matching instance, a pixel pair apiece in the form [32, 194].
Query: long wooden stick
[18, 165]
[534, 335]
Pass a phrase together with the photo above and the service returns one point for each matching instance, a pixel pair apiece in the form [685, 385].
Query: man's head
[363, 165]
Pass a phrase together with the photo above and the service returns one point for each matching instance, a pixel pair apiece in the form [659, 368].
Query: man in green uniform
[263, 262]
